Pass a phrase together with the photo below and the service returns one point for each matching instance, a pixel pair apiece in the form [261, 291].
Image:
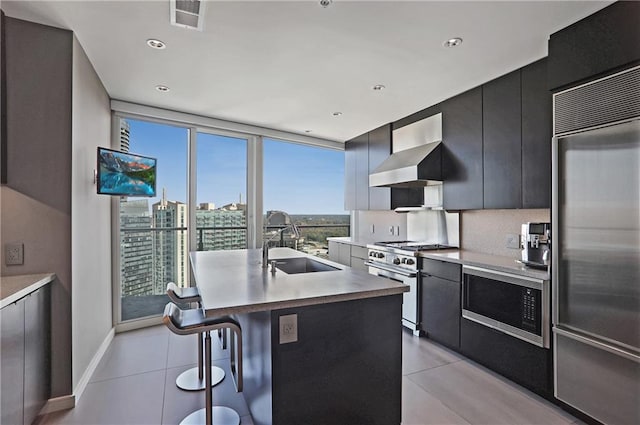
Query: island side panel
[257, 382]
[346, 366]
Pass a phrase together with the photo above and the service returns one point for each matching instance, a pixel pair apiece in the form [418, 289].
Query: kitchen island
[320, 347]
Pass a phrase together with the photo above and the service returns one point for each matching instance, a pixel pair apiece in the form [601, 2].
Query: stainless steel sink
[302, 265]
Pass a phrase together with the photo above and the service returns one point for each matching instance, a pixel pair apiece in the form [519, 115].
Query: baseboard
[86, 376]
[58, 403]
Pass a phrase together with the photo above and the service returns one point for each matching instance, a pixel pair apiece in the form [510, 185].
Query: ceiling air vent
[187, 13]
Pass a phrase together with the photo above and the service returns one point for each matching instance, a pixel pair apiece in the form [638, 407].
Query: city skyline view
[297, 179]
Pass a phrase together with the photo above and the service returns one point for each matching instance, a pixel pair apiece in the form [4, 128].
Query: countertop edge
[37, 281]
[304, 302]
[488, 261]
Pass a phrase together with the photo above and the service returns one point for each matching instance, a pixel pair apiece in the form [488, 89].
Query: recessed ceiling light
[379, 87]
[325, 3]
[156, 44]
[307, 131]
[453, 42]
[162, 88]
[337, 114]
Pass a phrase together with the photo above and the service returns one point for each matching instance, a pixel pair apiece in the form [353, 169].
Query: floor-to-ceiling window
[306, 182]
[212, 189]
[154, 231]
[221, 199]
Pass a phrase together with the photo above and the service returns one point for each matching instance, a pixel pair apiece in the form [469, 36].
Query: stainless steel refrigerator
[596, 248]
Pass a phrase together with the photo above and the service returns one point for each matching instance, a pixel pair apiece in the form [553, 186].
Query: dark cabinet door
[462, 154]
[502, 153]
[362, 172]
[350, 175]
[536, 136]
[356, 171]
[379, 150]
[12, 363]
[37, 371]
[441, 310]
[607, 40]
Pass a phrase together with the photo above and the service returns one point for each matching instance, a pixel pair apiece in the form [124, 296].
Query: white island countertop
[232, 282]
[12, 288]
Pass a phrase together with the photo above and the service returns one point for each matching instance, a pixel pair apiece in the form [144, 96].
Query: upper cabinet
[536, 136]
[462, 153]
[598, 44]
[379, 150]
[497, 143]
[501, 135]
[356, 171]
[363, 154]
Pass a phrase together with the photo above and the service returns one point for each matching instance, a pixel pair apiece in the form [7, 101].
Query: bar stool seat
[192, 379]
[194, 321]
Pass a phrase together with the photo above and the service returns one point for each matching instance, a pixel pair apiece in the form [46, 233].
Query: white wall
[361, 222]
[90, 217]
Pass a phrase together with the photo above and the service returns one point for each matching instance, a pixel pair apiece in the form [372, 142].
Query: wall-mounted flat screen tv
[125, 174]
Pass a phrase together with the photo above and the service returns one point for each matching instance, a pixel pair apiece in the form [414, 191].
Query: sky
[297, 179]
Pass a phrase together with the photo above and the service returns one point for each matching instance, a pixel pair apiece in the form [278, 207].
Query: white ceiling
[289, 65]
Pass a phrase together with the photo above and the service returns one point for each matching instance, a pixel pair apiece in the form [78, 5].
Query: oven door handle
[389, 269]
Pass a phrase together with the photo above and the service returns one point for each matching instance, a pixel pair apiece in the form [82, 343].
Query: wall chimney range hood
[416, 160]
[414, 167]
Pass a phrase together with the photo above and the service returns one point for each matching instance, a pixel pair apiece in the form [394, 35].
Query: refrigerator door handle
[597, 344]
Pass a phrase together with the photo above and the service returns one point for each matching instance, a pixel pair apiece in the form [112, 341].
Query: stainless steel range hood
[416, 160]
[414, 167]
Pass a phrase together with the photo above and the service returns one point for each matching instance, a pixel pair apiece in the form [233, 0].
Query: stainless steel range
[397, 261]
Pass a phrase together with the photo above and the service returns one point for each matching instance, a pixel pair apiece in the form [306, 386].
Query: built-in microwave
[516, 305]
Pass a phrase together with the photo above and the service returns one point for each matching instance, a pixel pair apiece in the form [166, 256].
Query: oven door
[515, 305]
[410, 310]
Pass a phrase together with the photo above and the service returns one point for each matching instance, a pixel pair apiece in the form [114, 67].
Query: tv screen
[125, 174]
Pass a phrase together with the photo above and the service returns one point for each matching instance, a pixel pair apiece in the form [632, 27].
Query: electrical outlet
[391, 230]
[288, 328]
[14, 254]
[397, 230]
[512, 241]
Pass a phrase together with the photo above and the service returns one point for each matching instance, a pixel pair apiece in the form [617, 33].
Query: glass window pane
[307, 182]
[221, 212]
[149, 258]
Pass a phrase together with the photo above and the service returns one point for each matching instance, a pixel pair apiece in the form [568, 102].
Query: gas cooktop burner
[414, 246]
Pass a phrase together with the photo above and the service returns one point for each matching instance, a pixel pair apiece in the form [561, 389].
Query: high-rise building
[230, 223]
[136, 253]
[124, 135]
[171, 246]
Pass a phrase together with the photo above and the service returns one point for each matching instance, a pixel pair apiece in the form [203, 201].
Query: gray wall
[91, 216]
[36, 205]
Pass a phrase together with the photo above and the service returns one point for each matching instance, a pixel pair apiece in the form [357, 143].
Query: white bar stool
[193, 379]
[187, 322]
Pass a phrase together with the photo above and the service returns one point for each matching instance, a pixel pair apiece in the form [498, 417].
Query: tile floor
[135, 384]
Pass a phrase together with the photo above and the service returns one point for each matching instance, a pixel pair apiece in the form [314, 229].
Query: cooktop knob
[396, 261]
[380, 255]
[410, 261]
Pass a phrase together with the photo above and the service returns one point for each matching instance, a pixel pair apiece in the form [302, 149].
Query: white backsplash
[362, 222]
[434, 226]
[486, 230]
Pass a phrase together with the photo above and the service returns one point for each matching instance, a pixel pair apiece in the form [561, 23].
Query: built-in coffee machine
[535, 242]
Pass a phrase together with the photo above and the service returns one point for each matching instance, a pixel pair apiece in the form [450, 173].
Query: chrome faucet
[265, 245]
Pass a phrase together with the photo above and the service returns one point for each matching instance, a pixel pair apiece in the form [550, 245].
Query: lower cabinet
[520, 361]
[340, 252]
[12, 363]
[359, 255]
[440, 296]
[25, 357]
